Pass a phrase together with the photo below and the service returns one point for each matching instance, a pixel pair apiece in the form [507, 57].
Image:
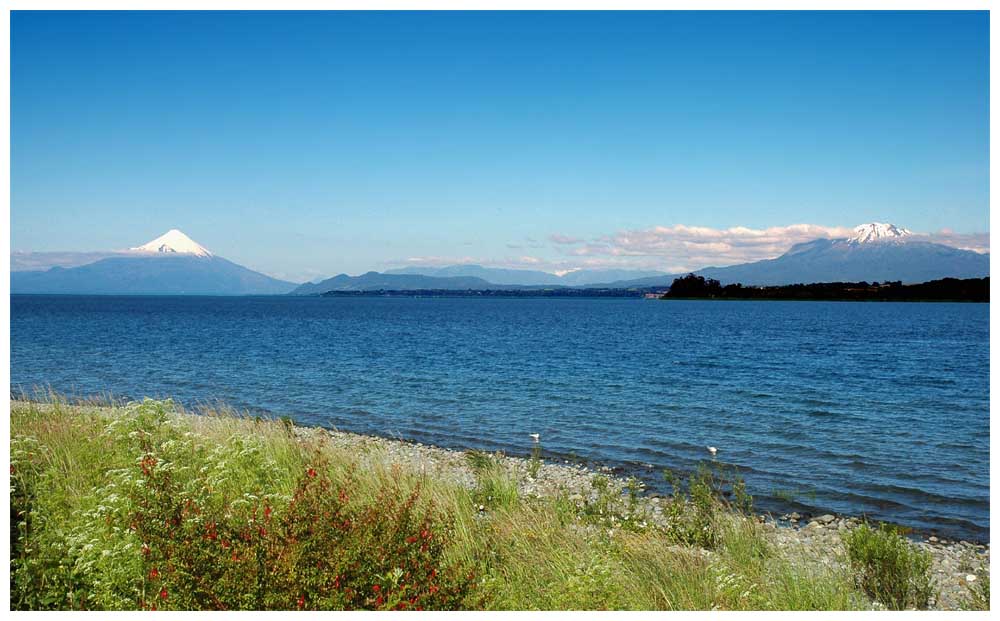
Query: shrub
[479, 461]
[607, 507]
[978, 593]
[320, 550]
[888, 568]
[692, 516]
[535, 463]
[182, 521]
[494, 486]
[386, 552]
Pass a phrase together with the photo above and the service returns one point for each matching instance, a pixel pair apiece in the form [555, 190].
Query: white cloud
[680, 248]
[976, 242]
[39, 261]
[530, 262]
[693, 247]
[564, 239]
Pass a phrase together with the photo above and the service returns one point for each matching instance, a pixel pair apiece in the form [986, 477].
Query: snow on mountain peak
[174, 242]
[876, 232]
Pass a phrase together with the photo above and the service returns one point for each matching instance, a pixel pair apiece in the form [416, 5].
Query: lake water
[875, 408]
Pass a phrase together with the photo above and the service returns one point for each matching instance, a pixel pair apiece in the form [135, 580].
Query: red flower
[267, 512]
[302, 601]
[376, 588]
[153, 574]
[163, 594]
[311, 473]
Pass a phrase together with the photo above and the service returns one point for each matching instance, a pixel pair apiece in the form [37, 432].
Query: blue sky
[308, 144]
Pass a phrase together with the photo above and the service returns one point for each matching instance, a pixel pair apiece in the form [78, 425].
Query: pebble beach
[956, 564]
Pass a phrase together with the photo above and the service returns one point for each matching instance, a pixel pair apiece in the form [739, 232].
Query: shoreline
[816, 540]
[581, 471]
[817, 537]
[578, 467]
[577, 470]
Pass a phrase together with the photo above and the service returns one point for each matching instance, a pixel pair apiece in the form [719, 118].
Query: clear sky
[309, 144]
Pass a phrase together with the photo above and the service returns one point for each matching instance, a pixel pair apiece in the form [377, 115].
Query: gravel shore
[817, 538]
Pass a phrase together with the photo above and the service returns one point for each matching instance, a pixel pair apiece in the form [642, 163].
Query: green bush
[494, 486]
[692, 517]
[978, 593]
[191, 524]
[888, 568]
[535, 462]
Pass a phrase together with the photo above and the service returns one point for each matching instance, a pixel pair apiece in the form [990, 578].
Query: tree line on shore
[945, 289]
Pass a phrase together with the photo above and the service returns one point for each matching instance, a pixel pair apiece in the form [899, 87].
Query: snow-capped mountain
[877, 232]
[876, 252]
[172, 264]
[174, 242]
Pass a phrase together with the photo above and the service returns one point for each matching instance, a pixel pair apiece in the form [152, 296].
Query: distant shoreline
[941, 290]
[499, 294]
[876, 300]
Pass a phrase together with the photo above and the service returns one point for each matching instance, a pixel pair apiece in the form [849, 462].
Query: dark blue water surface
[876, 408]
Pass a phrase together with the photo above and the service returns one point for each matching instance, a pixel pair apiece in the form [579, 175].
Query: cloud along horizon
[679, 248]
[672, 249]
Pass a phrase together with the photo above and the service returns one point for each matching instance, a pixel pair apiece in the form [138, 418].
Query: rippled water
[877, 408]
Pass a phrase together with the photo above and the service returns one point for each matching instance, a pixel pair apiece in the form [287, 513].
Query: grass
[978, 593]
[889, 568]
[142, 506]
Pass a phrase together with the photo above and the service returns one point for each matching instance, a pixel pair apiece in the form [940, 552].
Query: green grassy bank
[143, 507]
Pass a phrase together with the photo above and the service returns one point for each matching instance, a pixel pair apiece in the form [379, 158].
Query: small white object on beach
[970, 578]
[712, 450]
[535, 437]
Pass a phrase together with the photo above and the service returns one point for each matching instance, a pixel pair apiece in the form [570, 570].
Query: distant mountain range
[463, 277]
[501, 276]
[172, 264]
[175, 264]
[374, 281]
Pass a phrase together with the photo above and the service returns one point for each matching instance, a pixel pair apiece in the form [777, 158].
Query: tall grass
[128, 508]
[889, 568]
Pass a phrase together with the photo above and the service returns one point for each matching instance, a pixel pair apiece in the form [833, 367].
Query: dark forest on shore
[943, 290]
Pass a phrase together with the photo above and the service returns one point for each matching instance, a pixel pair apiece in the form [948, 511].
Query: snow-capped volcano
[172, 264]
[876, 232]
[174, 242]
[875, 252]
